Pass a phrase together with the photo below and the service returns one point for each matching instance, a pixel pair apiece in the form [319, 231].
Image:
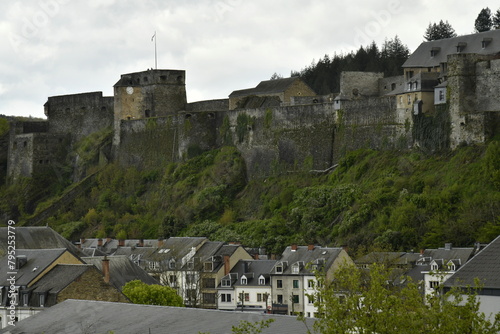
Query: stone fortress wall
[154, 124]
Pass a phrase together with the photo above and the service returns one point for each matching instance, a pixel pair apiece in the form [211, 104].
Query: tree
[360, 302]
[483, 20]
[394, 54]
[496, 19]
[4, 126]
[276, 76]
[439, 31]
[142, 293]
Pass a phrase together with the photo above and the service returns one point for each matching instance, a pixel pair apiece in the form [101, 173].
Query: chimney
[105, 269]
[82, 241]
[447, 246]
[21, 260]
[141, 243]
[121, 243]
[160, 242]
[294, 247]
[422, 252]
[227, 265]
[310, 247]
[99, 242]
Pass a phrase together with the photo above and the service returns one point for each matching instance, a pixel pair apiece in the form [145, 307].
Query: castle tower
[152, 93]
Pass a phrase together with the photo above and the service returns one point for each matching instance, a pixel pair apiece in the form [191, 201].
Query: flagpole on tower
[156, 56]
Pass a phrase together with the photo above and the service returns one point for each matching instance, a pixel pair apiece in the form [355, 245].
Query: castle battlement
[447, 96]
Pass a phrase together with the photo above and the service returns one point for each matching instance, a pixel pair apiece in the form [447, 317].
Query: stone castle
[449, 95]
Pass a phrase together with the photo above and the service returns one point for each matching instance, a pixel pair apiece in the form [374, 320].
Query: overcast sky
[57, 47]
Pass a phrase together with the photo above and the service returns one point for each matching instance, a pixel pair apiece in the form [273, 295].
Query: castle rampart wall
[79, 114]
[371, 123]
[209, 105]
[471, 99]
[283, 138]
[147, 143]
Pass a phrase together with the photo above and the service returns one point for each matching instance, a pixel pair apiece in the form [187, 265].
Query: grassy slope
[388, 199]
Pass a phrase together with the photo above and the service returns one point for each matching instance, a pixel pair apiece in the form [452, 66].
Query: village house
[294, 282]
[426, 70]
[270, 93]
[482, 274]
[247, 287]
[119, 270]
[30, 267]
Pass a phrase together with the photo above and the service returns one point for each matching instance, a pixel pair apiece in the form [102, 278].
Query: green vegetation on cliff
[393, 200]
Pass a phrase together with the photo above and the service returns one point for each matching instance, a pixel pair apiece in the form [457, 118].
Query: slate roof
[391, 258]
[71, 316]
[254, 102]
[305, 256]
[424, 260]
[180, 246]
[252, 269]
[110, 246]
[121, 270]
[37, 261]
[266, 87]
[37, 238]
[422, 55]
[485, 266]
[60, 277]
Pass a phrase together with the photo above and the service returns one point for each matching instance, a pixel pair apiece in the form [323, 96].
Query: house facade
[30, 267]
[294, 277]
[483, 268]
[247, 287]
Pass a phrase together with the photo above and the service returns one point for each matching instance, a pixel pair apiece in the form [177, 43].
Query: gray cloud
[54, 47]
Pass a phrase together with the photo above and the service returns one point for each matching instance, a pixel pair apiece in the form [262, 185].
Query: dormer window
[279, 269]
[435, 51]
[244, 280]
[171, 264]
[42, 300]
[461, 46]
[451, 266]
[434, 267]
[295, 269]
[208, 266]
[226, 282]
[262, 280]
[485, 42]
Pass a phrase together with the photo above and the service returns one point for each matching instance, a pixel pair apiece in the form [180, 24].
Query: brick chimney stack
[121, 243]
[310, 247]
[105, 269]
[294, 247]
[99, 242]
[227, 265]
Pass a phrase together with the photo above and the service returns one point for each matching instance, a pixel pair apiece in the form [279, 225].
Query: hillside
[388, 199]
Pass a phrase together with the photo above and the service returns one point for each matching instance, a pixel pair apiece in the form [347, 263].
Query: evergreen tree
[483, 20]
[439, 31]
[496, 20]
[357, 301]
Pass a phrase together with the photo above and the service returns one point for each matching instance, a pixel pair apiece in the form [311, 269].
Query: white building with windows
[294, 281]
[247, 287]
